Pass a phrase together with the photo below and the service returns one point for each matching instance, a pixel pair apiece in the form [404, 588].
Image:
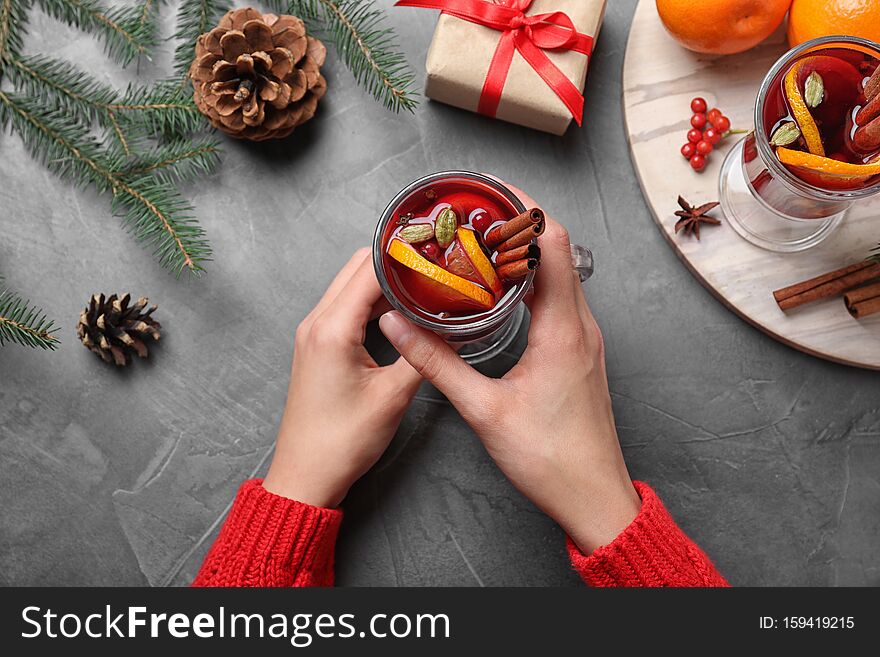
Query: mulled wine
[821, 114]
[456, 250]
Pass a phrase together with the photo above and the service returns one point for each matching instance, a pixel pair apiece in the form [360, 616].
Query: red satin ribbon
[528, 35]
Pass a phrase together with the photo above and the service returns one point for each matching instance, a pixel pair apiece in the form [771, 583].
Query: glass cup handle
[582, 261]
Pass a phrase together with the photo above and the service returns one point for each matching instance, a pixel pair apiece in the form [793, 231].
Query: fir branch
[119, 134]
[60, 85]
[194, 18]
[177, 161]
[165, 108]
[126, 32]
[157, 215]
[162, 219]
[24, 324]
[369, 48]
[13, 18]
[147, 10]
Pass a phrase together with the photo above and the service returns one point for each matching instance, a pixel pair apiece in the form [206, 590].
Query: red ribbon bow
[528, 35]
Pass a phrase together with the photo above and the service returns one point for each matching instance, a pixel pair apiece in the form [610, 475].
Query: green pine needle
[157, 214]
[127, 32]
[148, 12]
[176, 161]
[369, 49]
[24, 324]
[165, 109]
[13, 18]
[60, 85]
[163, 220]
[194, 18]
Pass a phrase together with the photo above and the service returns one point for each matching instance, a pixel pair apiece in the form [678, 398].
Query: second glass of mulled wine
[815, 149]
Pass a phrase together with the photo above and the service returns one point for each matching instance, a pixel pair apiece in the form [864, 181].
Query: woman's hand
[342, 408]
[548, 423]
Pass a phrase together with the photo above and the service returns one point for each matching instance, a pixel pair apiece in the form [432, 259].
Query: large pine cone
[258, 76]
[112, 329]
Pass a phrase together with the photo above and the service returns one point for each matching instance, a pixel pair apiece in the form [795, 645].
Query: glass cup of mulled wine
[455, 252]
[815, 149]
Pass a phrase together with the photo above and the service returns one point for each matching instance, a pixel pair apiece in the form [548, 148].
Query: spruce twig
[23, 323]
[369, 49]
[127, 32]
[163, 108]
[194, 18]
[13, 18]
[147, 10]
[157, 215]
[176, 161]
[61, 85]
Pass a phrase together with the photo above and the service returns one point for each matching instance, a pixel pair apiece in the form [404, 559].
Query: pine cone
[258, 76]
[113, 329]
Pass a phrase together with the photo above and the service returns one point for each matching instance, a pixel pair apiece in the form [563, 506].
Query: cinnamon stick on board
[527, 251]
[825, 286]
[523, 237]
[516, 225]
[863, 301]
[517, 269]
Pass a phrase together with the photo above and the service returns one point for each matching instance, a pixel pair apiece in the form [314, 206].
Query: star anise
[691, 217]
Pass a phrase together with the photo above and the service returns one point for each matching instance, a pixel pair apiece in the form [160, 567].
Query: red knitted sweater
[269, 540]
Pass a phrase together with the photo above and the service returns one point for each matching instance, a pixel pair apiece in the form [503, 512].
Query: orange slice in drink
[801, 112]
[432, 287]
[826, 172]
[484, 269]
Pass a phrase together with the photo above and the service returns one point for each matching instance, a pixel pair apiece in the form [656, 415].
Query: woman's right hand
[548, 423]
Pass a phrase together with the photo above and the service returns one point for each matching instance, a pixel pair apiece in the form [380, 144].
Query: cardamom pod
[445, 227]
[416, 233]
[814, 90]
[785, 134]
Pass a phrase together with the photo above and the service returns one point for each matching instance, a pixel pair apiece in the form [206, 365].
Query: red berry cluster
[702, 139]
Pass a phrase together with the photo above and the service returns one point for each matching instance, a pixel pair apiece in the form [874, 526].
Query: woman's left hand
[342, 408]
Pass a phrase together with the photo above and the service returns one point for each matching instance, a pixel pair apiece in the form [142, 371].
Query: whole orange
[722, 27]
[814, 18]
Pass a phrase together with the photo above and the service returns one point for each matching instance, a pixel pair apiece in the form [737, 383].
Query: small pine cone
[113, 329]
[257, 76]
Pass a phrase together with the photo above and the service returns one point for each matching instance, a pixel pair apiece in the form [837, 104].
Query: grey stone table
[767, 457]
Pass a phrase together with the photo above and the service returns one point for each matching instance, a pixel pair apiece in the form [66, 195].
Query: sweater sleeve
[269, 540]
[652, 551]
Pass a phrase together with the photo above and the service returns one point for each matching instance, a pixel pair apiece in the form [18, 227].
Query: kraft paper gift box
[461, 52]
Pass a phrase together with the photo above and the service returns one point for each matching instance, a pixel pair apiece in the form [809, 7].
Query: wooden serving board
[659, 80]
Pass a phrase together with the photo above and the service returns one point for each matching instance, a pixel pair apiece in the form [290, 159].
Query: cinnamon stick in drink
[867, 137]
[872, 89]
[863, 301]
[828, 285]
[517, 269]
[513, 227]
[522, 238]
[527, 251]
[869, 112]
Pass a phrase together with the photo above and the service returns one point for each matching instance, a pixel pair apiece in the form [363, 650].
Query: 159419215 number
[818, 622]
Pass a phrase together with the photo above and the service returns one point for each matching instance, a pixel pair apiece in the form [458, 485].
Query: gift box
[522, 61]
